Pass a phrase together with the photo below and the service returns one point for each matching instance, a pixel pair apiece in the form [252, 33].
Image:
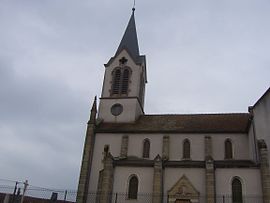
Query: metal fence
[148, 198]
[43, 195]
[11, 194]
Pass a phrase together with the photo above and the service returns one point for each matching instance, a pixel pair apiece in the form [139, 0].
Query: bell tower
[123, 92]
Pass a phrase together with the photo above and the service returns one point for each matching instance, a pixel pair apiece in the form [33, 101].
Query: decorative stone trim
[84, 179]
[209, 171]
[157, 181]
[208, 148]
[166, 148]
[107, 177]
[235, 164]
[124, 147]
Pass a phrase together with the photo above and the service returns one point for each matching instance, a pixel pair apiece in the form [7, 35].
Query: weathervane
[134, 4]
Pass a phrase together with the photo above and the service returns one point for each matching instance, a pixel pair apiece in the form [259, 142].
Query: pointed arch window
[186, 149]
[146, 148]
[237, 196]
[120, 81]
[133, 187]
[228, 149]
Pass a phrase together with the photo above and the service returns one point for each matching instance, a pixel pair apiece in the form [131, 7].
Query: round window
[116, 109]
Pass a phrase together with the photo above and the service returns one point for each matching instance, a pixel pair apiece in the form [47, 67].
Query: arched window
[146, 148]
[237, 191]
[116, 81]
[120, 81]
[133, 187]
[186, 149]
[228, 149]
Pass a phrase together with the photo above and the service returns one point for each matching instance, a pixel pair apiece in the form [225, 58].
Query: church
[130, 156]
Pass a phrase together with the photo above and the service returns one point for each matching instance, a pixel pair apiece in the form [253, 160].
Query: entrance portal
[183, 192]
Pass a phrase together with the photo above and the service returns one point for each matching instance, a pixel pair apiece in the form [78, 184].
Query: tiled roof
[189, 123]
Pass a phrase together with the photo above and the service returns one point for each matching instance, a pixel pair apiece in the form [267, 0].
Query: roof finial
[134, 4]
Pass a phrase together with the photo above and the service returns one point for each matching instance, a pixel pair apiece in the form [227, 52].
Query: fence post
[115, 201]
[65, 196]
[14, 192]
[24, 190]
[223, 198]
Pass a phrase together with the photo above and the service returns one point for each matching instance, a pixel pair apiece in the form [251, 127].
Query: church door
[182, 201]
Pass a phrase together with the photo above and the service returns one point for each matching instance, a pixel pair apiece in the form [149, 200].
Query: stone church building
[130, 156]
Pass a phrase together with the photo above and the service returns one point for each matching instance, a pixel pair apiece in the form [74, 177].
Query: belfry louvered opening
[116, 81]
[125, 81]
[120, 81]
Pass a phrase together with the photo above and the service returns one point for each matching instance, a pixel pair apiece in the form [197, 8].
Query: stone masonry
[107, 177]
[166, 147]
[265, 174]
[209, 171]
[83, 186]
[157, 181]
[124, 147]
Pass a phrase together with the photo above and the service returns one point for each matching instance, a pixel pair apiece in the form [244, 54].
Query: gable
[183, 188]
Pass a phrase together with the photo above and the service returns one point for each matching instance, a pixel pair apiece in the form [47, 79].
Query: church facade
[133, 157]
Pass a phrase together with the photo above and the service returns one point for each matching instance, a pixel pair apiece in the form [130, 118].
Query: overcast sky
[202, 56]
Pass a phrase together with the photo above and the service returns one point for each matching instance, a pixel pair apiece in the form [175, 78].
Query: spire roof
[130, 40]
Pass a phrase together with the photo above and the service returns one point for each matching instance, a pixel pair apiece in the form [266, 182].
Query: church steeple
[130, 39]
[122, 98]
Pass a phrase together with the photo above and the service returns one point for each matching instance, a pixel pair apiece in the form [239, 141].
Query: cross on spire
[123, 61]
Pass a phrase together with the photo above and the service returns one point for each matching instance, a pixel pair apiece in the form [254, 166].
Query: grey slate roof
[130, 40]
[130, 43]
[189, 123]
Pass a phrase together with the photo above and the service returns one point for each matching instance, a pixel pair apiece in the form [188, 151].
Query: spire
[130, 40]
[93, 114]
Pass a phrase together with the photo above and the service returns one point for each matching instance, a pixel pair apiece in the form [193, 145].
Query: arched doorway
[182, 201]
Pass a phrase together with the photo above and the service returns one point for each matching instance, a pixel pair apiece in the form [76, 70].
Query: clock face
[116, 109]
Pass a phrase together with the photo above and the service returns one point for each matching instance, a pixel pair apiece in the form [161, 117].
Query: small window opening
[228, 149]
[186, 149]
[146, 148]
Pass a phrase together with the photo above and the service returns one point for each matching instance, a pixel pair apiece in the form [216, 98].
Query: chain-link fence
[9, 194]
